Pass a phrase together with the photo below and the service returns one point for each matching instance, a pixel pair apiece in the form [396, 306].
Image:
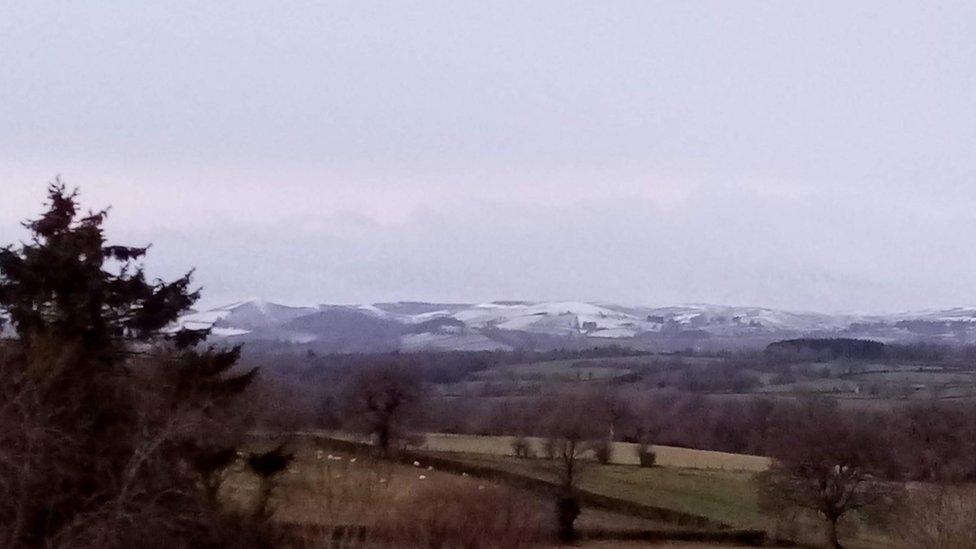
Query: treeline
[920, 441]
[821, 350]
[829, 349]
[431, 366]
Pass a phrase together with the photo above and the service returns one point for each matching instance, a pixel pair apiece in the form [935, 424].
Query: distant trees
[722, 379]
[827, 349]
[380, 399]
[826, 464]
[105, 414]
[924, 440]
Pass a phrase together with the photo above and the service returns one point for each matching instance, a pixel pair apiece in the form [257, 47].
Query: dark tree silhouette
[267, 466]
[380, 398]
[83, 428]
[209, 462]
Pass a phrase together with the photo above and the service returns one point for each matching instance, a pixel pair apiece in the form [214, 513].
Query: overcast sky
[806, 155]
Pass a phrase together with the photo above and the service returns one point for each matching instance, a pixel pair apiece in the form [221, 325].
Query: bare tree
[571, 430]
[825, 464]
[609, 408]
[380, 399]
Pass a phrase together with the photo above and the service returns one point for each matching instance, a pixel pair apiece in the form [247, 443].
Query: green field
[724, 496]
[730, 497]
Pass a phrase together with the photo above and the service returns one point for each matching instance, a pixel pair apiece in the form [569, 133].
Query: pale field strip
[623, 453]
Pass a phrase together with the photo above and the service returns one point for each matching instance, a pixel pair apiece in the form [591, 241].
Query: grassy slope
[726, 496]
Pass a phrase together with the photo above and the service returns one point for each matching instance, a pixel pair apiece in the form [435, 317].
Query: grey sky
[813, 155]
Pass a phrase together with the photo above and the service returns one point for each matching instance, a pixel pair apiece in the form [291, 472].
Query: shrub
[522, 448]
[938, 519]
[549, 448]
[646, 455]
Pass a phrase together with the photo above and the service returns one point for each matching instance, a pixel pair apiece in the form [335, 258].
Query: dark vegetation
[379, 399]
[679, 400]
[114, 432]
[827, 349]
[430, 367]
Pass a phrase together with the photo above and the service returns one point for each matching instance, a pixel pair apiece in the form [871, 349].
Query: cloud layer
[815, 156]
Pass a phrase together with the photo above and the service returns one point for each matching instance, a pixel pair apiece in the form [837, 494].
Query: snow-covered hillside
[508, 324]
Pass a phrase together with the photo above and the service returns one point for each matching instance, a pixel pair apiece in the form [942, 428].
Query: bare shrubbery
[457, 515]
[362, 500]
[151, 480]
[937, 518]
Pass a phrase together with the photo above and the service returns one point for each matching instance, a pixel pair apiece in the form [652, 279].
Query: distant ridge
[510, 324]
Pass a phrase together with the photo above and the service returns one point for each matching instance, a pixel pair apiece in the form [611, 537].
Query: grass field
[730, 497]
[725, 496]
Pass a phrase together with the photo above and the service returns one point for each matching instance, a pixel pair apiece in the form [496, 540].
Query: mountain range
[506, 325]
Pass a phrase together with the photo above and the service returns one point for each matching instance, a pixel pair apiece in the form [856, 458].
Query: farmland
[331, 489]
[725, 496]
[324, 488]
[855, 384]
[622, 453]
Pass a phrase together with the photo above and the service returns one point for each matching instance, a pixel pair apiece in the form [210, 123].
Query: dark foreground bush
[646, 455]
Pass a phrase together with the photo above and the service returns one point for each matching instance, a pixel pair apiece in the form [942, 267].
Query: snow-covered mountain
[241, 318]
[411, 326]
